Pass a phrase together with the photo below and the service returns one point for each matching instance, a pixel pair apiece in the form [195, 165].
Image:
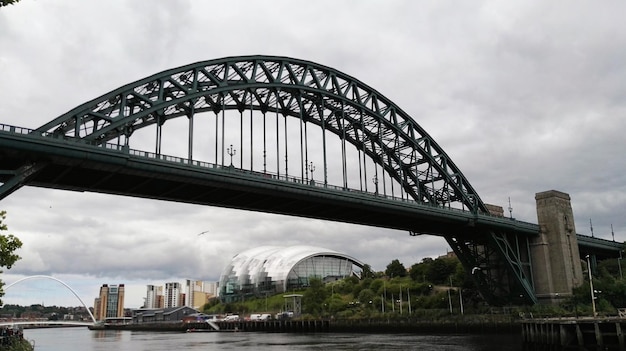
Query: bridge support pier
[555, 258]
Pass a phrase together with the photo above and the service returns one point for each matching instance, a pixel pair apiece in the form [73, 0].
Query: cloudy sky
[523, 96]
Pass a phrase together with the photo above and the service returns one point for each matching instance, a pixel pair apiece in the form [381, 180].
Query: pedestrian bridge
[47, 277]
[250, 133]
[35, 323]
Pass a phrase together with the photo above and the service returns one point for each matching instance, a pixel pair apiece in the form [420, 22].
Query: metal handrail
[266, 175]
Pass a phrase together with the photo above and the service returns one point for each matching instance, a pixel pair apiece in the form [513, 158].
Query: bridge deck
[75, 165]
[47, 323]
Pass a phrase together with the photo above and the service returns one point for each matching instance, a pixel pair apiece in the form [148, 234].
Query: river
[75, 339]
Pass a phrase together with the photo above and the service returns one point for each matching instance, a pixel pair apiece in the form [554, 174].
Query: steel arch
[58, 281]
[328, 98]
[331, 100]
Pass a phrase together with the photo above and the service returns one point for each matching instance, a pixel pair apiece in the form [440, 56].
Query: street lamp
[408, 295]
[449, 295]
[375, 180]
[461, 299]
[619, 260]
[311, 168]
[232, 152]
[593, 296]
[400, 298]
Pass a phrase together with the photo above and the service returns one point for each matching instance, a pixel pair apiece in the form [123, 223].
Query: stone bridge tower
[555, 257]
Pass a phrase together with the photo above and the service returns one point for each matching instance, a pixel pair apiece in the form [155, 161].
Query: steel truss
[318, 95]
[499, 263]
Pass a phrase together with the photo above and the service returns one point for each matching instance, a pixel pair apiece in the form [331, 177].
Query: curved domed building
[275, 269]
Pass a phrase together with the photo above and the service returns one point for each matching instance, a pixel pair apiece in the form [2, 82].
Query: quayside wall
[375, 326]
[461, 326]
[574, 334]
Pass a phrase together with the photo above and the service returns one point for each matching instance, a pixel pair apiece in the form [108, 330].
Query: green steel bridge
[250, 133]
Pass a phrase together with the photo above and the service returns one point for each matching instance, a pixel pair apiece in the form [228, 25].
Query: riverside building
[110, 302]
[273, 269]
[172, 295]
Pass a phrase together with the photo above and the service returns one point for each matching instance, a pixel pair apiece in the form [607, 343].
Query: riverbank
[12, 339]
[454, 325]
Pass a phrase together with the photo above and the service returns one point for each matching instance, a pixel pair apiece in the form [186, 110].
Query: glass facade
[110, 302]
[272, 269]
[111, 308]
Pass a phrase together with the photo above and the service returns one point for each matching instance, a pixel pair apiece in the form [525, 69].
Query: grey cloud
[524, 97]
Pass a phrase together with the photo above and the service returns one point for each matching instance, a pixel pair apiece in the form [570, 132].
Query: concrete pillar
[555, 258]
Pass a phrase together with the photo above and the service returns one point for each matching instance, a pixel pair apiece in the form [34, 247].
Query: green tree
[441, 269]
[377, 285]
[610, 267]
[345, 286]
[334, 304]
[366, 296]
[357, 289]
[418, 270]
[367, 272]
[8, 245]
[8, 2]
[313, 297]
[395, 269]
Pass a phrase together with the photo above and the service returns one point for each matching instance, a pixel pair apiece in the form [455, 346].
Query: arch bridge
[276, 135]
[93, 319]
[47, 323]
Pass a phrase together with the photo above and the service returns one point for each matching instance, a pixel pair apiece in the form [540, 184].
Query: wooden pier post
[599, 337]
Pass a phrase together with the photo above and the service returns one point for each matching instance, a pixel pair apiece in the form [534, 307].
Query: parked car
[232, 318]
[260, 316]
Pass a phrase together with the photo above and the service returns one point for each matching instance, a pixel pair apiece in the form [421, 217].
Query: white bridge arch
[59, 281]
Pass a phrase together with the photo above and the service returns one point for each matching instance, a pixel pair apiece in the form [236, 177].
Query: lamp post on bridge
[375, 180]
[232, 152]
[311, 168]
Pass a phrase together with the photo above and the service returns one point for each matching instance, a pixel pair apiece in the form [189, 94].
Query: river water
[83, 339]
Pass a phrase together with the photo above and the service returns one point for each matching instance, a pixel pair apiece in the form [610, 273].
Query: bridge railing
[266, 175]
[35, 323]
[15, 129]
